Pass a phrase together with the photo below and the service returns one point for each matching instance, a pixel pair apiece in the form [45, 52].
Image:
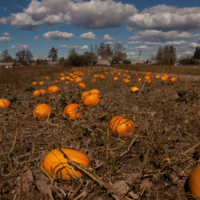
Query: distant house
[152, 62]
[55, 63]
[138, 62]
[7, 64]
[101, 63]
[117, 63]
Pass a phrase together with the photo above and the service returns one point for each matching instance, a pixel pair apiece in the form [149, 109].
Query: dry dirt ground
[166, 116]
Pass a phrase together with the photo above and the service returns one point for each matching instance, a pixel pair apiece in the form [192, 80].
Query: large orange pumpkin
[5, 103]
[91, 100]
[53, 89]
[194, 181]
[72, 111]
[120, 126]
[55, 163]
[42, 111]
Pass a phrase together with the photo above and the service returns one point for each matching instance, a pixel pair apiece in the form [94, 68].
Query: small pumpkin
[42, 111]
[119, 73]
[163, 78]
[166, 75]
[126, 80]
[148, 81]
[94, 80]
[37, 93]
[42, 91]
[120, 126]
[134, 89]
[53, 89]
[173, 79]
[116, 78]
[148, 74]
[62, 78]
[72, 111]
[139, 79]
[55, 163]
[157, 76]
[46, 78]
[5, 103]
[193, 181]
[78, 79]
[41, 83]
[91, 100]
[147, 77]
[81, 85]
[71, 80]
[55, 81]
[67, 82]
[34, 83]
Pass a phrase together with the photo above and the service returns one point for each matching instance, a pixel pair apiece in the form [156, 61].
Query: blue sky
[39, 25]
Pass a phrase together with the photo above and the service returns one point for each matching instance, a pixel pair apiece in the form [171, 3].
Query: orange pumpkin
[34, 83]
[134, 89]
[36, 93]
[82, 85]
[67, 82]
[116, 78]
[173, 79]
[91, 100]
[62, 78]
[55, 81]
[43, 91]
[147, 77]
[46, 78]
[84, 94]
[194, 181]
[139, 79]
[53, 89]
[126, 80]
[120, 126]
[41, 83]
[71, 80]
[5, 103]
[42, 111]
[148, 74]
[148, 81]
[94, 80]
[157, 76]
[165, 75]
[72, 111]
[163, 78]
[55, 163]
[78, 80]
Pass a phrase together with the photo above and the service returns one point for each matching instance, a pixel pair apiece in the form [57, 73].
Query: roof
[53, 63]
[6, 63]
[135, 62]
[101, 62]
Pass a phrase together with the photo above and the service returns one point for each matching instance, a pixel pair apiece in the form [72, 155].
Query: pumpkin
[126, 80]
[148, 81]
[84, 94]
[120, 126]
[136, 74]
[173, 79]
[46, 78]
[95, 76]
[128, 77]
[147, 77]
[82, 85]
[134, 89]
[193, 181]
[148, 74]
[43, 91]
[94, 91]
[163, 78]
[42, 111]
[157, 76]
[62, 78]
[71, 80]
[53, 89]
[62, 74]
[67, 82]
[139, 79]
[72, 111]
[55, 163]
[55, 81]
[5, 103]
[36, 93]
[91, 100]
[41, 83]
[78, 79]
[102, 76]
[116, 78]
[165, 75]
[94, 80]
[119, 73]
[106, 72]
[67, 77]
[34, 83]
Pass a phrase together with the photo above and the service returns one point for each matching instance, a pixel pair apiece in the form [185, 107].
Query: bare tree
[5, 57]
[53, 54]
[118, 52]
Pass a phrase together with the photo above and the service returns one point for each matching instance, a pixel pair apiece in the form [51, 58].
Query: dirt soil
[153, 163]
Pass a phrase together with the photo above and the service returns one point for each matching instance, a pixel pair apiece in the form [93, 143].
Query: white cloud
[130, 53]
[4, 8]
[134, 42]
[5, 39]
[88, 36]
[19, 46]
[36, 37]
[3, 20]
[160, 36]
[85, 47]
[142, 48]
[154, 43]
[194, 44]
[162, 17]
[187, 53]
[7, 34]
[107, 37]
[56, 35]
[129, 28]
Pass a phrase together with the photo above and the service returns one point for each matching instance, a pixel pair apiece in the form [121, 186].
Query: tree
[28, 56]
[89, 57]
[5, 57]
[197, 53]
[72, 51]
[24, 56]
[53, 54]
[104, 50]
[118, 52]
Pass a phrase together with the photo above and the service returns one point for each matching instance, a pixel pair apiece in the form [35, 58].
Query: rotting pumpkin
[56, 163]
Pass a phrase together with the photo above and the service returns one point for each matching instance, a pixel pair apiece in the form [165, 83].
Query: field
[153, 163]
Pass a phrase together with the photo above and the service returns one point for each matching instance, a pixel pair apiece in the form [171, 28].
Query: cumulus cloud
[130, 53]
[162, 17]
[5, 39]
[194, 44]
[7, 34]
[88, 36]
[3, 20]
[19, 47]
[134, 42]
[57, 35]
[142, 48]
[107, 37]
[160, 36]
[36, 37]
[85, 47]
[95, 14]
[187, 53]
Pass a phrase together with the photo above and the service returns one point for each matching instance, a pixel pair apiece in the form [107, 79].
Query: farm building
[137, 62]
[197, 62]
[7, 64]
[101, 63]
[152, 62]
